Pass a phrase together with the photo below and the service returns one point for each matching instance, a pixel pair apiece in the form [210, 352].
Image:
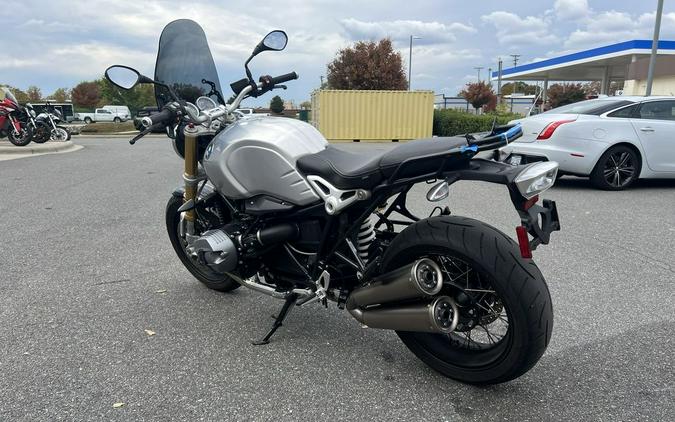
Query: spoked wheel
[60, 134]
[505, 313]
[201, 272]
[617, 169]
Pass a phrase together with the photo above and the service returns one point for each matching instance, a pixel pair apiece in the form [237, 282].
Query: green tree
[34, 94]
[142, 95]
[368, 65]
[306, 105]
[562, 94]
[61, 95]
[479, 94]
[521, 88]
[277, 105]
[86, 94]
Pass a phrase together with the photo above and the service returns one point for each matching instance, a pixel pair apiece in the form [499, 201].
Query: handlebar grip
[164, 117]
[284, 78]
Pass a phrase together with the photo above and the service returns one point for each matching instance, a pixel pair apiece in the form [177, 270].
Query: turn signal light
[550, 128]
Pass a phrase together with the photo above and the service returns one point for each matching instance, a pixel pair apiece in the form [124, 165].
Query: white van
[119, 110]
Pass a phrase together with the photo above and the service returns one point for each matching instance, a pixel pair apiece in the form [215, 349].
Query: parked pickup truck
[104, 115]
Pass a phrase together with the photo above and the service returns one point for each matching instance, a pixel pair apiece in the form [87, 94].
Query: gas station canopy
[611, 62]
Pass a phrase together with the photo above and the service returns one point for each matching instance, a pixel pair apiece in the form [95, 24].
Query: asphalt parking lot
[86, 268]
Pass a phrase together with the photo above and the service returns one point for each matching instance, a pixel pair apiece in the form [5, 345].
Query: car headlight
[536, 178]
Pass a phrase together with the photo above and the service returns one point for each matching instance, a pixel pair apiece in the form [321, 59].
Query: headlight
[536, 178]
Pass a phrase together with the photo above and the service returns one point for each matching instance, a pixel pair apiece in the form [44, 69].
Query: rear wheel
[617, 169]
[41, 133]
[506, 317]
[201, 272]
[87, 120]
[117, 120]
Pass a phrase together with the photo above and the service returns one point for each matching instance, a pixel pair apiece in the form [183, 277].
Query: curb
[9, 152]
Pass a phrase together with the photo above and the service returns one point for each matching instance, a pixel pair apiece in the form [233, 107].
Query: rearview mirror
[125, 77]
[275, 40]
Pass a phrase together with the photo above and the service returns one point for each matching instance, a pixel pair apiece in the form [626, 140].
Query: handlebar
[284, 78]
[164, 116]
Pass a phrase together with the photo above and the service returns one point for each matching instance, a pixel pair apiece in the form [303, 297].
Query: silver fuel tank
[257, 156]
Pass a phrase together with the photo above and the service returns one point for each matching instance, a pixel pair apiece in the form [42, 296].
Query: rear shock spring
[365, 237]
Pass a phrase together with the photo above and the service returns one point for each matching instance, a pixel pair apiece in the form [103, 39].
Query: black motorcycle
[40, 131]
[52, 118]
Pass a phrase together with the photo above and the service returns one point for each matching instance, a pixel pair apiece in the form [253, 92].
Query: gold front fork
[191, 171]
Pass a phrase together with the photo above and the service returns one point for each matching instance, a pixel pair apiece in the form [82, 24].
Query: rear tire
[204, 274]
[617, 169]
[117, 120]
[517, 283]
[87, 120]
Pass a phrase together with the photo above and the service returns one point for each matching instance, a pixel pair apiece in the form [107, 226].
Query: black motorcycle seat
[349, 170]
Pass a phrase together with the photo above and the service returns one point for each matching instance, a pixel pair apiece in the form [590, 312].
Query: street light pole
[478, 68]
[655, 46]
[410, 59]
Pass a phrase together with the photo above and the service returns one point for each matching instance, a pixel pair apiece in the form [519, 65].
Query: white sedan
[612, 140]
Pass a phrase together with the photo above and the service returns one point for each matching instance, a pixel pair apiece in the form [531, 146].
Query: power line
[515, 59]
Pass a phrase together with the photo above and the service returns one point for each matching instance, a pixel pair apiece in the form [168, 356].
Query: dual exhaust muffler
[403, 300]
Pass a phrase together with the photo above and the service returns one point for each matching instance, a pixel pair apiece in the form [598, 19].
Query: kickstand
[278, 321]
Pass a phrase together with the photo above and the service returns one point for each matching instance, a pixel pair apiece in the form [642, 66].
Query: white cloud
[612, 27]
[513, 30]
[400, 30]
[571, 9]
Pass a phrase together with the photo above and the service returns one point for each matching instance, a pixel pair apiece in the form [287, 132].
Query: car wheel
[117, 120]
[617, 169]
[87, 120]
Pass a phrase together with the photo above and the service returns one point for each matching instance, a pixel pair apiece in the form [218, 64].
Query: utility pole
[655, 46]
[478, 68]
[489, 79]
[515, 83]
[499, 80]
[410, 59]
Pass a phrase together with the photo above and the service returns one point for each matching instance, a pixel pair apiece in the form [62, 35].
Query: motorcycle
[39, 129]
[269, 205]
[10, 125]
[52, 116]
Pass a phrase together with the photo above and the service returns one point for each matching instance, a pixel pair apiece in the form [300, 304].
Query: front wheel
[41, 133]
[203, 273]
[506, 317]
[21, 139]
[117, 120]
[60, 134]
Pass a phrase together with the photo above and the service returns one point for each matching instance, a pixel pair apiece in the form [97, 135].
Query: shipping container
[344, 115]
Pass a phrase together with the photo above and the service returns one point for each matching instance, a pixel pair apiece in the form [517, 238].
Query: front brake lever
[145, 132]
[280, 86]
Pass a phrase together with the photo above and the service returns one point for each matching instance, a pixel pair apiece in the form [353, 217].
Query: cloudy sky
[60, 43]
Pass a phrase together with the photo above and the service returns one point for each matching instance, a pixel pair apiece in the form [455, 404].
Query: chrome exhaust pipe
[375, 306]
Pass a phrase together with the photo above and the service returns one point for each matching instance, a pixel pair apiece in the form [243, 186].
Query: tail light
[550, 128]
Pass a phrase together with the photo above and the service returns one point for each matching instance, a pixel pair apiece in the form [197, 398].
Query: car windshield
[595, 107]
[183, 60]
[7, 94]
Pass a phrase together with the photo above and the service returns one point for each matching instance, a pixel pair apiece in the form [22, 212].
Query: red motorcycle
[10, 125]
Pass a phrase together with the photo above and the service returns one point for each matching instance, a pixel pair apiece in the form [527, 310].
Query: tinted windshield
[6, 93]
[596, 107]
[183, 60]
